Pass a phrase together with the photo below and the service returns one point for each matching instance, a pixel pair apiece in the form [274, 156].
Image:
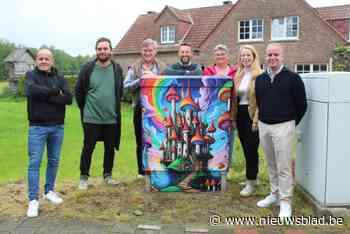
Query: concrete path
[53, 225]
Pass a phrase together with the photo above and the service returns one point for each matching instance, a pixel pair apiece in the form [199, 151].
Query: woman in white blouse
[248, 70]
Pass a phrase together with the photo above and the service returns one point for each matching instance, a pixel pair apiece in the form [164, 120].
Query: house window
[251, 30]
[286, 28]
[309, 68]
[167, 34]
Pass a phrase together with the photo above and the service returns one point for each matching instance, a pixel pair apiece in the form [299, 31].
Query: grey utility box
[323, 148]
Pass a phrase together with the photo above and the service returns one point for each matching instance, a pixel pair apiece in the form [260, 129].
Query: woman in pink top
[222, 67]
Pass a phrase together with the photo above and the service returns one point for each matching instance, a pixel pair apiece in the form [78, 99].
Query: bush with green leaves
[70, 79]
[342, 58]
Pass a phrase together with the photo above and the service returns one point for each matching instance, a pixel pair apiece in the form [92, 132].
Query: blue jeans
[38, 137]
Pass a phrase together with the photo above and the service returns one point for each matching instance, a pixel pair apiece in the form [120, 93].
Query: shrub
[71, 82]
[342, 58]
[20, 86]
[70, 79]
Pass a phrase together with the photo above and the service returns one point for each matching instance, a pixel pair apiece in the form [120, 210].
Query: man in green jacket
[184, 67]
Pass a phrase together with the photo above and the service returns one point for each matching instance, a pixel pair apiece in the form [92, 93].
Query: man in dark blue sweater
[47, 96]
[281, 100]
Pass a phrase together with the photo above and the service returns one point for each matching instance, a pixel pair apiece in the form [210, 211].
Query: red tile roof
[334, 12]
[139, 31]
[181, 15]
[204, 21]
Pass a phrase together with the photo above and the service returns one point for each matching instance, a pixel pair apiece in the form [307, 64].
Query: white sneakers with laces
[33, 206]
[53, 197]
[285, 209]
[271, 199]
[109, 181]
[33, 209]
[83, 184]
[249, 188]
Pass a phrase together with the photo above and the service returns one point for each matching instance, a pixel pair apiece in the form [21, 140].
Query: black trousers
[249, 141]
[93, 133]
[138, 136]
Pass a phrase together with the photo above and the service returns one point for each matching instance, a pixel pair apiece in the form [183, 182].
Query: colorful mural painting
[187, 130]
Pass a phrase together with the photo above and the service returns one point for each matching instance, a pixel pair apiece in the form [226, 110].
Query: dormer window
[167, 34]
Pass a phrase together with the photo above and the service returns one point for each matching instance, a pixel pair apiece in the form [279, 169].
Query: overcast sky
[74, 25]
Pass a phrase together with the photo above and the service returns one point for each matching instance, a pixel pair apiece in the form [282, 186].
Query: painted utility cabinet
[187, 132]
[323, 148]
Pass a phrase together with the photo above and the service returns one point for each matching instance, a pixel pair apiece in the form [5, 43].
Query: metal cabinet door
[312, 150]
[338, 157]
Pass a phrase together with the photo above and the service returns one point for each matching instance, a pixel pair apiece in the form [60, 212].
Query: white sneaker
[83, 184]
[33, 208]
[139, 176]
[285, 209]
[271, 199]
[248, 189]
[109, 181]
[53, 197]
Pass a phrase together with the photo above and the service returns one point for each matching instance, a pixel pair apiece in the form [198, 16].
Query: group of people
[268, 106]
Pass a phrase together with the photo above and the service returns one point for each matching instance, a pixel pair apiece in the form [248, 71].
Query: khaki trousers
[277, 140]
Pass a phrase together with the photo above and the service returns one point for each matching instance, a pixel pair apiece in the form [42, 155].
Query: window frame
[168, 32]
[311, 67]
[251, 30]
[285, 29]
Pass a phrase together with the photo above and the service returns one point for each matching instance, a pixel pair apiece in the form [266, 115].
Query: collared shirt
[132, 82]
[282, 100]
[273, 75]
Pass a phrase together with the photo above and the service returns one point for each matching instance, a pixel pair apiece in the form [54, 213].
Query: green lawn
[13, 146]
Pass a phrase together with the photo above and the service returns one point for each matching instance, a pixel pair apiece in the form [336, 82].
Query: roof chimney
[227, 2]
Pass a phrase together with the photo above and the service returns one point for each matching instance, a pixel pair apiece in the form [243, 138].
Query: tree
[64, 62]
[5, 49]
[341, 58]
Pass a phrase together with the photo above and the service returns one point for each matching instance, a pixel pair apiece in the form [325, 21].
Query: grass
[121, 204]
[13, 145]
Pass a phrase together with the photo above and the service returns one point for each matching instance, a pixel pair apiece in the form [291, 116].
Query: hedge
[71, 82]
[70, 79]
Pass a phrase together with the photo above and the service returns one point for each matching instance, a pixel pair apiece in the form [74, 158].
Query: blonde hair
[255, 67]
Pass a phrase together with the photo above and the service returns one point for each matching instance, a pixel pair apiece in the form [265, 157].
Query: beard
[185, 60]
[103, 58]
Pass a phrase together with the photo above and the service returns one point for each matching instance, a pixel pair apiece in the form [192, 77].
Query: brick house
[309, 35]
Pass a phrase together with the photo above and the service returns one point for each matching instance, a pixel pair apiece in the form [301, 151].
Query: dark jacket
[282, 100]
[82, 87]
[47, 95]
[179, 69]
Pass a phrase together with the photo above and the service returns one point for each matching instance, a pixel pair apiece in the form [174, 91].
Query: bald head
[45, 51]
[44, 60]
[274, 56]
